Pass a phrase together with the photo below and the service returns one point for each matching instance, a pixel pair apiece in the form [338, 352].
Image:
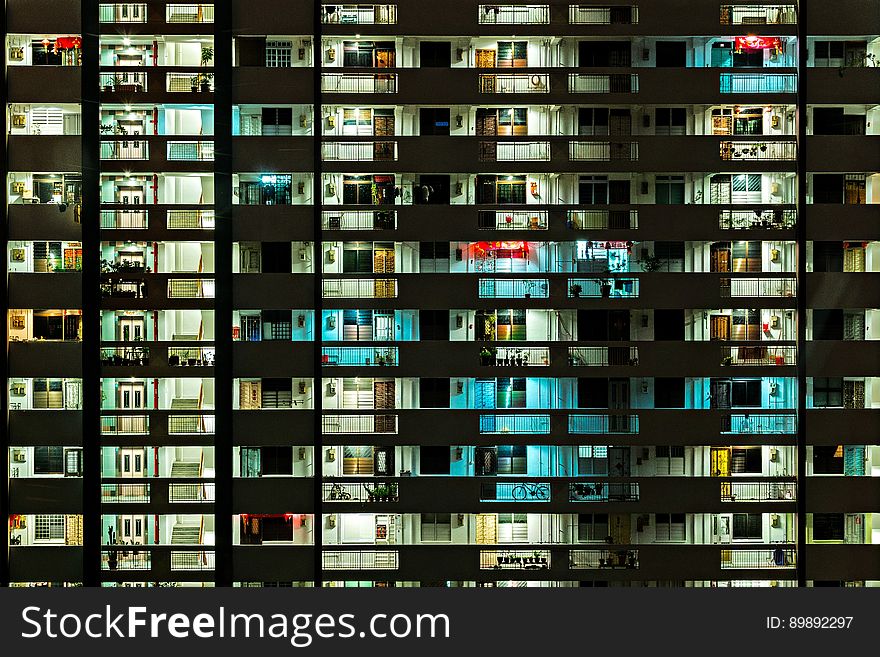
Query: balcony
[125, 425]
[514, 560]
[515, 356]
[359, 424]
[127, 149]
[359, 83]
[612, 83]
[603, 424]
[759, 559]
[758, 83]
[753, 151]
[359, 288]
[761, 219]
[603, 491]
[758, 15]
[603, 356]
[122, 12]
[513, 14]
[189, 13]
[603, 151]
[514, 83]
[190, 219]
[758, 491]
[759, 424]
[512, 220]
[359, 559]
[758, 287]
[190, 424]
[190, 151]
[125, 219]
[359, 356]
[513, 288]
[514, 151]
[190, 288]
[359, 151]
[605, 288]
[603, 559]
[376, 491]
[517, 424]
[515, 491]
[758, 355]
[602, 219]
[124, 82]
[603, 15]
[357, 14]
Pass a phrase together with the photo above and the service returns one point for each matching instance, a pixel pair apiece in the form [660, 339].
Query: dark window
[828, 526]
[669, 324]
[833, 121]
[671, 255]
[433, 393]
[827, 459]
[593, 121]
[746, 393]
[827, 256]
[357, 258]
[250, 51]
[828, 324]
[827, 188]
[592, 393]
[669, 190]
[48, 460]
[671, 53]
[592, 526]
[670, 121]
[434, 460]
[434, 120]
[592, 325]
[276, 257]
[276, 393]
[433, 324]
[277, 121]
[746, 460]
[435, 54]
[593, 190]
[512, 459]
[277, 460]
[434, 257]
[827, 392]
[668, 392]
[747, 526]
[278, 529]
[432, 190]
[604, 53]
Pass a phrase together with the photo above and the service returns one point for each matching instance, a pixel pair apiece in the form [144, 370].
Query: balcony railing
[124, 289]
[359, 83]
[191, 356]
[350, 14]
[191, 151]
[513, 14]
[125, 559]
[597, 424]
[758, 15]
[603, 219]
[775, 218]
[776, 558]
[603, 151]
[192, 560]
[514, 559]
[124, 493]
[188, 82]
[359, 220]
[122, 12]
[515, 424]
[359, 559]
[603, 559]
[332, 424]
[758, 423]
[121, 425]
[191, 492]
[603, 491]
[758, 287]
[359, 151]
[515, 491]
[758, 151]
[515, 151]
[514, 83]
[513, 288]
[111, 219]
[603, 356]
[190, 424]
[373, 492]
[359, 356]
[124, 81]
[603, 15]
[758, 83]
[609, 288]
[512, 220]
[191, 288]
[757, 355]
[189, 13]
[189, 219]
[359, 288]
[758, 491]
[515, 357]
[127, 149]
[614, 83]
[125, 356]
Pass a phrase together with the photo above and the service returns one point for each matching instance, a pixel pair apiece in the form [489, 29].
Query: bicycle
[528, 490]
[337, 492]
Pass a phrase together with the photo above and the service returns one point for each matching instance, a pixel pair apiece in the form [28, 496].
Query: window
[276, 393]
[747, 526]
[827, 392]
[671, 53]
[433, 393]
[828, 526]
[828, 324]
[513, 528]
[670, 121]
[828, 459]
[48, 460]
[593, 121]
[357, 460]
[48, 527]
[436, 527]
[592, 460]
[510, 393]
[434, 460]
[746, 393]
[592, 393]
[513, 54]
[746, 188]
[592, 527]
[513, 121]
[277, 460]
[593, 190]
[434, 257]
[669, 527]
[278, 54]
[604, 53]
[434, 121]
[669, 190]
[746, 460]
[435, 54]
[669, 460]
[747, 256]
[277, 121]
[669, 392]
[512, 459]
[433, 324]
[840, 53]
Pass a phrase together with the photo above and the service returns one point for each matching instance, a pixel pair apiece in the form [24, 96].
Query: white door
[132, 395]
[721, 527]
[132, 529]
[130, 329]
[132, 462]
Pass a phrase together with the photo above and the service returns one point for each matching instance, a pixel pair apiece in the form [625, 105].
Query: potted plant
[575, 289]
[605, 287]
[651, 263]
[194, 83]
[727, 360]
[205, 81]
[206, 58]
[487, 355]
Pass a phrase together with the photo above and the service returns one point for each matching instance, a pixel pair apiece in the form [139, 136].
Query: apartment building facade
[316, 294]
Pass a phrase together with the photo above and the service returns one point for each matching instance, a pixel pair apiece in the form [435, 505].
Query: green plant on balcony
[487, 355]
[575, 289]
[727, 360]
[651, 263]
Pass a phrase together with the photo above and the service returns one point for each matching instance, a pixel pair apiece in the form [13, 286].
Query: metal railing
[191, 356]
[757, 219]
[191, 151]
[611, 83]
[757, 83]
[516, 357]
[603, 151]
[602, 219]
[515, 424]
[359, 220]
[758, 491]
[122, 12]
[125, 356]
[176, 82]
[121, 558]
[111, 219]
[513, 14]
[124, 289]
[332, 424]
[758, 151]
[513, 288]
[515, 151]
[189, 13]
[515, 491]
[603, 491]
[191, 492]
[514, 560]
[603, 15]
[759, 423]
[359, 288]
[512, 220]
[775, 558]
[602, 423]
[190, 288]
[609, 288]
[603, 356]
[186, 219]
[756, 355]
[116, 425]
[360, 559]
[359, 83]
[359, 356]
[758, 287]
[758, 15]
[514, 83]
[596, 559]
[125, 149]
[192, 560]
[359, 151]
[350, 14]
[124, 81]
[190, 424]
[373, 492]
[124, 493]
